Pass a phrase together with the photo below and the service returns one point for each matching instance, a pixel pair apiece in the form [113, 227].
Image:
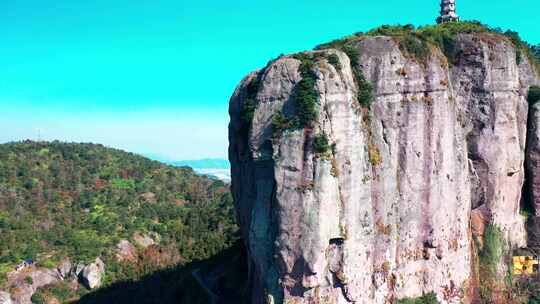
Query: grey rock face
[5, 298]
[77, 269]
[125, 251]
[23, 291]
[488, 86]
[64, 269]
[143, 240]
[92, 274]
[386, 215]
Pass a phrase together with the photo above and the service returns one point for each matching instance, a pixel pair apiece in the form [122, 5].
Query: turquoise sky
[155, 76]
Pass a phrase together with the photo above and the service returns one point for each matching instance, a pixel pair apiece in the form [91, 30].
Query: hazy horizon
[155, 78]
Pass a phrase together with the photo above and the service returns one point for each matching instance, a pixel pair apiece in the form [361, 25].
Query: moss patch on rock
[429, 298]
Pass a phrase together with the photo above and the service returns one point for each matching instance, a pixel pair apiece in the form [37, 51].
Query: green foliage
[248, 108]
[415, 47]
[416, 41]
[534, 94]
[492, 251]
[306, 96]
[248, 111]
[333, 59]
[4, 269]
[518, 43]
[365, 89]
[29, 280]
[84, 198]
[48, 263]
[280, 123]
[38, 298]
[122, 184]
[526, 289]
[61, 291]
[320, 144]
[429, 298]
[352, 53]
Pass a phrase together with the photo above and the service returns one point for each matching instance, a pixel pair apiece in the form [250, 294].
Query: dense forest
[77, 201]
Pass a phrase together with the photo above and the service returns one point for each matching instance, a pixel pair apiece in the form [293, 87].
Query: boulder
[143, 240]
[5, 298]
[77, 269]
[22, 288]
[92, 274]
[64, 269]
[125, 251]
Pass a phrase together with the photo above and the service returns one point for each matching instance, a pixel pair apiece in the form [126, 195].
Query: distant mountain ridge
[217, 168]
[206, 163]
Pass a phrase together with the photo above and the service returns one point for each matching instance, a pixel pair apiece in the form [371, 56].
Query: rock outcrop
[92, 274]
[385, 213]
[25, 283]
[143, 240]
[64, 269]
[5, 298]
[125, 251]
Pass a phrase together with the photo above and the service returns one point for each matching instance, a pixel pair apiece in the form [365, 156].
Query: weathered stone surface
[92, 274]
[64, 269]
[5, 298]
[479, 219]
[143, 240]
[345, 228]
[77, 269]
[22, 290]
[125, 251]
[487, 83]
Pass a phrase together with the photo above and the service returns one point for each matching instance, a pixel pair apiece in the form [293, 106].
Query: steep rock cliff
[383, 210]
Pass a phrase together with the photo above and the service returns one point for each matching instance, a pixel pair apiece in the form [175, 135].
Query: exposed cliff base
[372, 169]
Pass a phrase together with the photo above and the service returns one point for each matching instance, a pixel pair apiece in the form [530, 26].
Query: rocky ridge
[370, 203]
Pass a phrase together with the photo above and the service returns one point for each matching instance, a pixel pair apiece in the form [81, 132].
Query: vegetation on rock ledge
[321, 144]
[415, 42]
[490, 256]
[365, 89]
[306, 96]
[429, 298]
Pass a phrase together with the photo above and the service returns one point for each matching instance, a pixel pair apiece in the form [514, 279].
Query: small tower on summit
[448, 12]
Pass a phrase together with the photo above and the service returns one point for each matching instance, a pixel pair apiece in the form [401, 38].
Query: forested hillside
[77, 201]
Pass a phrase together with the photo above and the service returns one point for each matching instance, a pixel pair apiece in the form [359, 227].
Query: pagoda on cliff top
[448, 12]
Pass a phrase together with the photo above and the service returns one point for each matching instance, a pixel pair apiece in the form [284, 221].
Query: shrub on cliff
[321, 144]
[429, 298]
[534, 94]
[306, 96]
[333, 59]
[280, 123]
[492, 250]
[415, 41]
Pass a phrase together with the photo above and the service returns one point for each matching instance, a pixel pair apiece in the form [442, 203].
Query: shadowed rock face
[384, 215]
